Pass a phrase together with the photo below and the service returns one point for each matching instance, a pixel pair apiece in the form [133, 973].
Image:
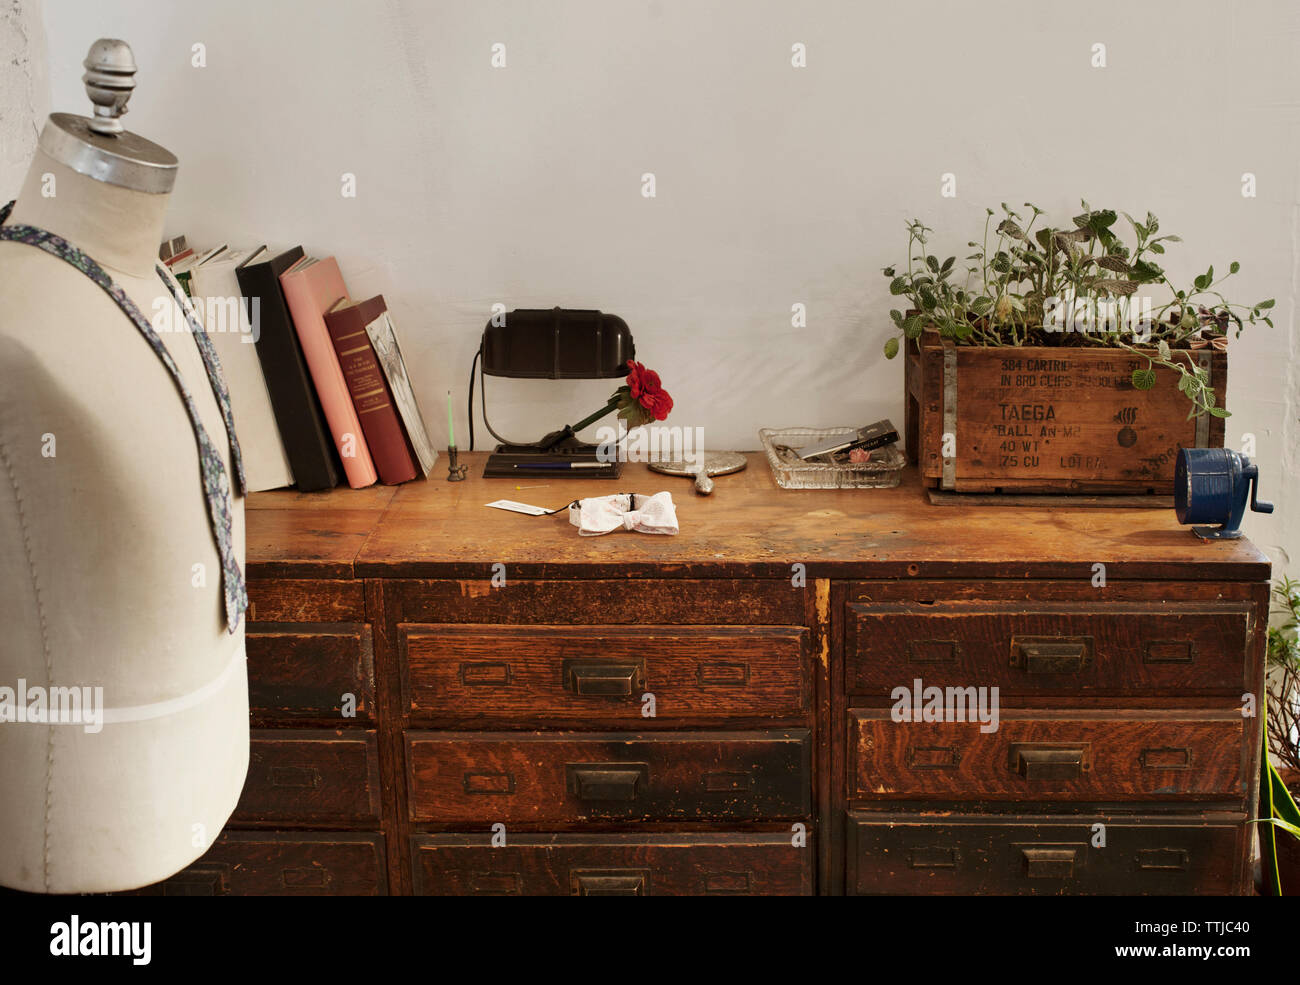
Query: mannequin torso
[111, 577]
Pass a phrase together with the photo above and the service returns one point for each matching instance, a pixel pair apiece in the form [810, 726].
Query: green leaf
[1265, 305]
[981, 305]
[963, 330]
[1219, 412]
[1144, 379]
[947, 265]
[898, 285]
[1233, 267]
[913, 326]
[897, 317]
[891, 348]
[933, 263]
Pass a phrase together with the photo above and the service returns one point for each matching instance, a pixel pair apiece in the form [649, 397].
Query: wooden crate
[1050, 420]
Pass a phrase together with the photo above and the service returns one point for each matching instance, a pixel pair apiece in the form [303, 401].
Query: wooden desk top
[749, 527]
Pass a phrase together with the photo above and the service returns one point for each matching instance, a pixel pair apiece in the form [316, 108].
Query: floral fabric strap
[216, 483]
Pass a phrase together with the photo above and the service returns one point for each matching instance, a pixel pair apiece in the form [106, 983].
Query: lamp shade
[557, 344]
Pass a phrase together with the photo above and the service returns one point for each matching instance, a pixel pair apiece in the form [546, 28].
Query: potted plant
[1050, 367]
[1280, 778]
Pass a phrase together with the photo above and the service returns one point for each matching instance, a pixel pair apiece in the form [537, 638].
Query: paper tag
[512, 506]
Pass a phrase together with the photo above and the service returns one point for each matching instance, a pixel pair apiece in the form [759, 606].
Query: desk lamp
[551, 344]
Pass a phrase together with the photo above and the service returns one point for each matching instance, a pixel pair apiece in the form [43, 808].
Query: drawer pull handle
[1163, 859]
[609, 882]
[933, 651]
[1169, 651]
[1049, 863]
[1051, 654]
[297, 777]
[606, 781]
[1049, 762]
[936, 857]
[1166, 759]
[603, 679]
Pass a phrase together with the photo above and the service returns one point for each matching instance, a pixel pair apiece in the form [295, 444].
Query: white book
[214, 289]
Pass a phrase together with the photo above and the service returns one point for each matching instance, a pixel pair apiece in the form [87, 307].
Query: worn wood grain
[502, 675]
[632, 864]
[310, 778]
[982, 855]
[1120, 755]
[482, 778]
[748, 528]
[283, 863]
[302, 671]
[1058, 649]
[1059, 419]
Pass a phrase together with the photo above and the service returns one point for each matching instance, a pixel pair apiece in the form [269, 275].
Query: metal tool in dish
[715, 463]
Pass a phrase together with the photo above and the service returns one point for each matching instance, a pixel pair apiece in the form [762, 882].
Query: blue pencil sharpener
[1210, 486]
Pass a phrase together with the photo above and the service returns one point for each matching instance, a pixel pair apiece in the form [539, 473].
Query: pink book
[311, 287]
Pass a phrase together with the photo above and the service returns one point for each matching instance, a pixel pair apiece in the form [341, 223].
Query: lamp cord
[482, 389]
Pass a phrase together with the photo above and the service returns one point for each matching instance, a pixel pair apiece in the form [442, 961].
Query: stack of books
[318, 387]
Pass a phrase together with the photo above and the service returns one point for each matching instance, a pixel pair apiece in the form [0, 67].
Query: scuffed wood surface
[748, 528]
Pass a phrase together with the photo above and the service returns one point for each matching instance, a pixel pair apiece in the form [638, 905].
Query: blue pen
[561, 465]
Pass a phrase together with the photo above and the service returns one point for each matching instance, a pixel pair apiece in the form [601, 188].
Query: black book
[307, 441]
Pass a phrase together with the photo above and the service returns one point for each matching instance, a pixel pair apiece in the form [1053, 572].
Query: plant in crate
[1028, 361]
[1046, 286]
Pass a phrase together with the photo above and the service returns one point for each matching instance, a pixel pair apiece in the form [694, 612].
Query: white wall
[24, 89]
[775, 185]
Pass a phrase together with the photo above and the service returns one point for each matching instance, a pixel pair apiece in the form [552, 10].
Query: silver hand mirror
[715, 463]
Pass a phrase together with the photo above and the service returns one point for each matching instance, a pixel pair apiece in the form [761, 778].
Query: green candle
[451, 432]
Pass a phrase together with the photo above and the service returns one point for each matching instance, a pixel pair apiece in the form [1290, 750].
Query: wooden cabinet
[794, 695]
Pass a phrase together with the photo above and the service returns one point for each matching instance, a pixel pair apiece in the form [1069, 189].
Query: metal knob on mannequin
[98, 146]
[109, 80]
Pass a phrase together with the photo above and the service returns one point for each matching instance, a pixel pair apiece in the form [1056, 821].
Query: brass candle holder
[455, 471]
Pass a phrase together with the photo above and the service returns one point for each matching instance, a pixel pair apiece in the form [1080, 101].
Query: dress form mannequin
[109, 573]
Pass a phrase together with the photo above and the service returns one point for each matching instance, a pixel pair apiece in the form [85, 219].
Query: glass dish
[885, 468]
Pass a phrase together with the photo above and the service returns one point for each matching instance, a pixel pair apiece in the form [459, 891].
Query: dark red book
[368, 387]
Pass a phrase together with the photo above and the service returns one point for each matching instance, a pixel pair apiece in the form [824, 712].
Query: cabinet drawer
[282, 863]
[990, 855]
[601, 601]
[1050, 755]
[1065, 648]
[749, 864]
[486, 777]
[310, 672]
[599, 674]
[305, 600]
[310, 776]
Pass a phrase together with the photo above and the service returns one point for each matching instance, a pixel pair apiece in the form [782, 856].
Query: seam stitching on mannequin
[45, 652]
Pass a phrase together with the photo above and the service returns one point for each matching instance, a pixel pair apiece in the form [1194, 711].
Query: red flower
[646, 389]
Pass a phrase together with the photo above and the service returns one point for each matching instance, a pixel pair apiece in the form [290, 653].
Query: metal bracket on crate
[1205, 360]
[949, 480]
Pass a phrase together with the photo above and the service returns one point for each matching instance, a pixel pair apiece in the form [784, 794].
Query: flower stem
[593, 418]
